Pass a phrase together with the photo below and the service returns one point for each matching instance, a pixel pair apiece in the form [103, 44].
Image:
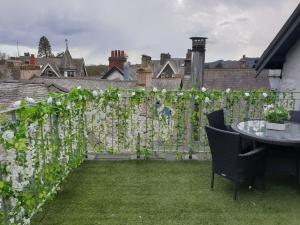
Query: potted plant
[276, 116]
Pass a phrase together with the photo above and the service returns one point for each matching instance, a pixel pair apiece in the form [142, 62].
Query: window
[71, 73]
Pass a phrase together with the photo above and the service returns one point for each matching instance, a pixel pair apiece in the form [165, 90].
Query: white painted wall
[115, 76]
[291, 72]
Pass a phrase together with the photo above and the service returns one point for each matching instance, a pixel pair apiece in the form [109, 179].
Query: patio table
[256, 130]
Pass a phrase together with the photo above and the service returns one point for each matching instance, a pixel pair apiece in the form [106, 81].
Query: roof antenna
[67, 45]
[18, 48]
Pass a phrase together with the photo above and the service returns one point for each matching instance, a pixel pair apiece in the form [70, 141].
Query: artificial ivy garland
[51, 138]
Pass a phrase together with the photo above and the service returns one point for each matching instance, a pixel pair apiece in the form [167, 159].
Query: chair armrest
[229, 128]
[252, 162]
[252, 153]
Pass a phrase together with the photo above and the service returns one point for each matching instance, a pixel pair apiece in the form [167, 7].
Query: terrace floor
[166, 193]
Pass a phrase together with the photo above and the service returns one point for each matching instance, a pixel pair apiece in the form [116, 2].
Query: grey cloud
[94, 27]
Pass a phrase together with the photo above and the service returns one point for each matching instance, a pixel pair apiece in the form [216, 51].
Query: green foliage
[277, 114]
[44, 48]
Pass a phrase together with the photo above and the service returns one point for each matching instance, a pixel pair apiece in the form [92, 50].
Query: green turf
[166, 193]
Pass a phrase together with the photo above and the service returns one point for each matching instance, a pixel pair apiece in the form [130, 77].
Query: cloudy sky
[94, 27]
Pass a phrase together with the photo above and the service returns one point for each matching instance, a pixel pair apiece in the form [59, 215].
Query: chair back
[295, 116]
[216, 119]
[224, 147]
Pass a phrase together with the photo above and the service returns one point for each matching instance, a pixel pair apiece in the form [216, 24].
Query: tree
[44, 48]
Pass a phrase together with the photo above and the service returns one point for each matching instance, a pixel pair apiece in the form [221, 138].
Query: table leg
[297, 165]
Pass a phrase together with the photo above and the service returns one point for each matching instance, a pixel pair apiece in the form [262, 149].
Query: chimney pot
[198, 43]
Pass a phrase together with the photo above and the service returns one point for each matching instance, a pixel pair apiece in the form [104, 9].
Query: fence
[43, 142]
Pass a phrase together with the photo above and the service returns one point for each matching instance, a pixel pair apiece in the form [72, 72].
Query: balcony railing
[43, 142]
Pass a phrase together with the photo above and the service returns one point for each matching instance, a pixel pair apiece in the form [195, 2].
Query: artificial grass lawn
[166, 193]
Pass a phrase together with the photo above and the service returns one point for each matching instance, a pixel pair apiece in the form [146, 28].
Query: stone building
[64, 65]
[282, 57]
[119, 68]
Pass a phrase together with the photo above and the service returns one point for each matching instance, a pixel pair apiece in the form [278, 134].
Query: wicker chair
[216, 119]
[229, 163]
[295, 116]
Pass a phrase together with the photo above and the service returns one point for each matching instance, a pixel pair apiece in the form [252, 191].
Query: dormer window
[69, 73]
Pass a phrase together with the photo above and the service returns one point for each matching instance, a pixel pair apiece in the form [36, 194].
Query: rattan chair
[228, 162]
[295, 116]
[216, 119]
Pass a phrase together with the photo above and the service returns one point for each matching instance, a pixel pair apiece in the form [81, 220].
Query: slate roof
[176, 63]
[59, 64]
[131, 73]
[90, 83]
[235, 79]
[274, 56]
[14, 90]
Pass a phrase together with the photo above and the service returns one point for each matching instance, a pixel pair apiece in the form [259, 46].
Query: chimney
[188, 62]
[144, 77]
[198, 60]
[32, 60]
[243, 61]
[118, 59]
[164, 57]
[126, 69]
[146, 60]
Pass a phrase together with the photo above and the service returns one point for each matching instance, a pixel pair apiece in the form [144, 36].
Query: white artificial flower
[101, 92]
[58, 103]
[50, 100]
[30, 100]
[207, 100]
[8, 135]
[12, 220]
[26, 221]
[79, 87]
[17, 104]
[265, 95]
[196, 97]
[247, 94]
[69, 107]
[133, 93]
[164, 91]
[180, 94]
[119, 95]
[228, 90]
[11, 155]
[13, 201]
[95, 93]
[154, 89]
[203, 89]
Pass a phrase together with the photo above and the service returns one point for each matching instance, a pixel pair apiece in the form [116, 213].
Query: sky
[95, 27]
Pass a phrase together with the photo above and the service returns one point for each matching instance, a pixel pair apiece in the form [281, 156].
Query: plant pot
[276, 126]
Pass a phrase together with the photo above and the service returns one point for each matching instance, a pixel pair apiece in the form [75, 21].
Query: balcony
[44, 143]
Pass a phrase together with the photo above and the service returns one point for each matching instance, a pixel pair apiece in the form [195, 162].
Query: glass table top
[256, 129]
